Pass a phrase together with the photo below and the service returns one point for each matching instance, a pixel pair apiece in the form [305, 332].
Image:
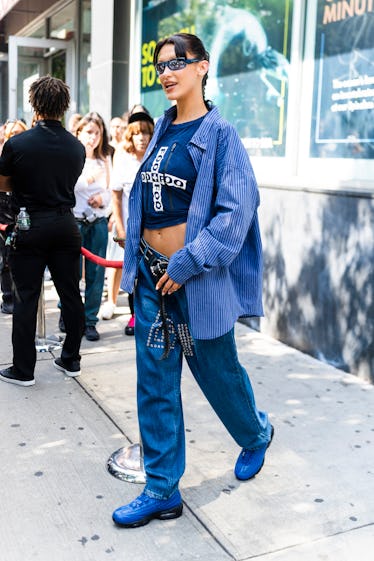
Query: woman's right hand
[121, 235]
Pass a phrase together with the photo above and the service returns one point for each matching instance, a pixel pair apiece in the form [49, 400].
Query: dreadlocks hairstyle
[184, 42]
[49, 97]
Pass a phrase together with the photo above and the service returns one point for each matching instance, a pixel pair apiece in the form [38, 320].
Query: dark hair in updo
[184, 42]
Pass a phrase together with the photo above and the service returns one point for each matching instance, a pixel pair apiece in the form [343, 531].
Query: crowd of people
[183, 203]
[101, 202]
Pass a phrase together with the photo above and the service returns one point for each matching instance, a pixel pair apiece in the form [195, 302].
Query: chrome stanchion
[127, 464]
[43, 343]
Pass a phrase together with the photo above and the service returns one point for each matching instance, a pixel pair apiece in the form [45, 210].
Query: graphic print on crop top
[169, 177]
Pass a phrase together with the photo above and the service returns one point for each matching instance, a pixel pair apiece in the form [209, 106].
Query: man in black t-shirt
[42, 166]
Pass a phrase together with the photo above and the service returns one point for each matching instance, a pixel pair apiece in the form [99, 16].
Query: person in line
[2, 136]
[138, 107]
[11, 128]
[7, 217]
[42, 166]
[73, 122]
[127, 158]
[91, 210]
[117, 128]
[193, 245]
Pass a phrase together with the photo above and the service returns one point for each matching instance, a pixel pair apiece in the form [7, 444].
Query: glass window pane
[32, 64]
[62, 23]
[84, 57]
[343, 94]
[39, 32]
[249, 42]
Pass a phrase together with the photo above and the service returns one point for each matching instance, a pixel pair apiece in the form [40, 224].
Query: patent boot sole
[168, 514]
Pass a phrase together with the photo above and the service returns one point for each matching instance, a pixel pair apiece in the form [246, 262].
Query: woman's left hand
[167, 285]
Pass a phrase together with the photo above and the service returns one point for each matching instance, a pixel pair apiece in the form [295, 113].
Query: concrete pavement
[314, 498]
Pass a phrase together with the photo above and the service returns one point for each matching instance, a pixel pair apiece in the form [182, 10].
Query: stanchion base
[127, 464]
[48, 344]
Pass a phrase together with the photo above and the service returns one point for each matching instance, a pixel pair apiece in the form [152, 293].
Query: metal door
[30, 58]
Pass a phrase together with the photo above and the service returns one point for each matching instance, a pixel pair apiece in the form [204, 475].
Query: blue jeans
[216, 368]
[95, 239]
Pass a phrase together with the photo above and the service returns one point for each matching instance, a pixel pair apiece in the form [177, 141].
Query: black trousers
[53, 240]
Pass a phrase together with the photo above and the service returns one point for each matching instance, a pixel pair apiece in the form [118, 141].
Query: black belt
[146, 251]
[152, 257]
[50, 211]
[157, 265]
[88, 222]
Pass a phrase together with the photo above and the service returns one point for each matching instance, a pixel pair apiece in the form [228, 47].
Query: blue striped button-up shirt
[221, 261]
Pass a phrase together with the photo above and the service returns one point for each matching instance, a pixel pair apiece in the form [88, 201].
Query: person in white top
[91, 210]
[116, 130]
[126, 162]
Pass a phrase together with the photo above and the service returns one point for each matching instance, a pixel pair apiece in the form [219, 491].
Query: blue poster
[343, 95]
[249, 46]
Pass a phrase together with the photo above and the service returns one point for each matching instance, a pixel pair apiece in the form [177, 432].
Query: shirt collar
[49, 123]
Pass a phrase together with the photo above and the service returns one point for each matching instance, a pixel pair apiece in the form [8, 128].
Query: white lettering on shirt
[158, 179]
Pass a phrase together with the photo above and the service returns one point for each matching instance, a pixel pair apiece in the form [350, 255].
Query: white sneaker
[107, 310]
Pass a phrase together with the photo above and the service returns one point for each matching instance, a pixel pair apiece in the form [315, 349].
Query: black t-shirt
[44, 164]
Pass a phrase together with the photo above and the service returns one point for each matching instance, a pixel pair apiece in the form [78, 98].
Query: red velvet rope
[100, 260]
[91, 256]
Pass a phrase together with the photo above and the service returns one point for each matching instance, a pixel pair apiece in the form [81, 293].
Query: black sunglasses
[174, 64]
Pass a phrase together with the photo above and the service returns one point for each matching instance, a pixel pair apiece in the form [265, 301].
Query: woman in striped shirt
[194, 246]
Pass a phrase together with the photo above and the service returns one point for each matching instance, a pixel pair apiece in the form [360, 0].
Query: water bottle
[23, 219]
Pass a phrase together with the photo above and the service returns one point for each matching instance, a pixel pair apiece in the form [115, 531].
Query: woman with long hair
[12, 127]
[92, 201]
[127, 157]
[193, 245]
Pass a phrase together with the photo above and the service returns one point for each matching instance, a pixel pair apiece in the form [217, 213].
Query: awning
[6, 6]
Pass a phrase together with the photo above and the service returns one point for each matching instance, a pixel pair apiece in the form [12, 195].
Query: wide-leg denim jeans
[216, 368]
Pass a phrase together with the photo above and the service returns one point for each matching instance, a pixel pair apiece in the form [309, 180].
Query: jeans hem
[267, 434]
[157, 496]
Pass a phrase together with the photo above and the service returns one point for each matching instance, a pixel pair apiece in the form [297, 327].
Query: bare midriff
[166, 240]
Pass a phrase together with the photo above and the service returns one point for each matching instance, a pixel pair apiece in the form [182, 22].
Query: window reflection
[62, 24]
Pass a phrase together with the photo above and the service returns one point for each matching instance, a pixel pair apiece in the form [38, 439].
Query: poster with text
[343, 95]
[249, 46]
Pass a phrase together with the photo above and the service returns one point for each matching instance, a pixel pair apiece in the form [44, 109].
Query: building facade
[296, 78]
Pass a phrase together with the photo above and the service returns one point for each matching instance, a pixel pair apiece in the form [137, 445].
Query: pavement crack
[300, 544]
[106, 413]
[213, 536]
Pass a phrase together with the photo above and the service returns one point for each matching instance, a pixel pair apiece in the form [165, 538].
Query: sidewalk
[313, 500]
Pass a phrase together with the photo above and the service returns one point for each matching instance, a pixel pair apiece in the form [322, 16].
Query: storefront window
[62, 23]
[343, 98]
[3, 87]
[39, 32]
[84, 56]
[249, 42]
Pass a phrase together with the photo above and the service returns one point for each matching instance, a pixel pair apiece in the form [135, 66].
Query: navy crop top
[168, 178]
